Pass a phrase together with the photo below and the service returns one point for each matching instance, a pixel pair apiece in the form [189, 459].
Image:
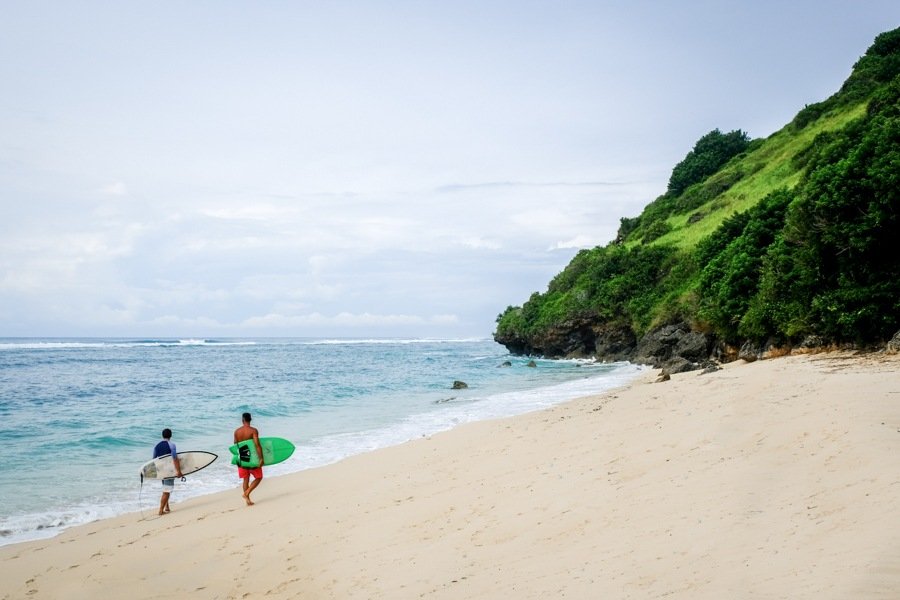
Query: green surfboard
[275, 450]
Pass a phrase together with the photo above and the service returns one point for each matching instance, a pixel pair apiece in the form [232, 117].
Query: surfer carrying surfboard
[244, 433]
[163, 448]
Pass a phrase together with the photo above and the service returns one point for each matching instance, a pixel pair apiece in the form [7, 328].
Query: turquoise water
[79, 416]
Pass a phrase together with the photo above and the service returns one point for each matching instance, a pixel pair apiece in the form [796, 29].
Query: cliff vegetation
[778, 242]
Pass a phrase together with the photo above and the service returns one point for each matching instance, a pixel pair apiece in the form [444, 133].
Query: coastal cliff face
[756, 247]
[675, 348]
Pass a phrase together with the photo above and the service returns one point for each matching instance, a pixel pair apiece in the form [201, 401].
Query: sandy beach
[773, 479]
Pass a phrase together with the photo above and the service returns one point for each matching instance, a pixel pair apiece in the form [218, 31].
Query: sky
[223, 168]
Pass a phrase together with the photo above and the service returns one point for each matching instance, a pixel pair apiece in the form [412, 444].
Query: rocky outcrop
[893, 346]
[613, 343]
[576, 338]
[676, 364]
[675, 348]
[751, 351]
[570, 338]
[812, 342]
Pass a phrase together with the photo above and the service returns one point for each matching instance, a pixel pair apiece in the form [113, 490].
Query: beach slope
[774, 479]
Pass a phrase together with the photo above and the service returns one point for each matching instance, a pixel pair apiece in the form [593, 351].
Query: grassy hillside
[782, 238]
[765, 168]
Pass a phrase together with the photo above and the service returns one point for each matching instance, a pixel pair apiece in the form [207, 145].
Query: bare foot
[248, 500]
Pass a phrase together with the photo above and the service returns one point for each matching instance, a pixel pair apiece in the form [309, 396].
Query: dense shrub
[830, 266]
[810, 114]
[841, 234]
[626, 226]
[654, 231]
[710, 153]
[879, 65]
[732, 259]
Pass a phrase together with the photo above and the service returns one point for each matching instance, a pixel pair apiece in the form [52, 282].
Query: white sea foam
[330, 449]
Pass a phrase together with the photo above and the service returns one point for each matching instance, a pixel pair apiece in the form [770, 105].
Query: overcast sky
[296, 168]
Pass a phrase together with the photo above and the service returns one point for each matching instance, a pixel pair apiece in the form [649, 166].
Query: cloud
[176, 323]
[344, 320]
[577, 242]
[479, 243]
[489, 185]
[114, 189]
[417, 191]
[251, 212]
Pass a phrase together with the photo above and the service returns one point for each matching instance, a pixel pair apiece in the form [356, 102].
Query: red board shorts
[244, 473]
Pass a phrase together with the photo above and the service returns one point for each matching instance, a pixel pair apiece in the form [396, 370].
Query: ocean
[78, 417]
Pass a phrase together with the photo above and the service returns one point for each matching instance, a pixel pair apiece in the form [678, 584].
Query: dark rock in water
[893, 346]
[460, 385]
[450, 399]
[505, 363]
[531, 363]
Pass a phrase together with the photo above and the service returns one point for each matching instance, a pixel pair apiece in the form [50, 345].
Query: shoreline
[778, 478]
[120, 498]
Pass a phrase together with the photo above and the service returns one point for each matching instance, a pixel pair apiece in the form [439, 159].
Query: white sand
[776, 479]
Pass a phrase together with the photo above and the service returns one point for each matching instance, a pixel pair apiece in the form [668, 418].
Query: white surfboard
[190, 462]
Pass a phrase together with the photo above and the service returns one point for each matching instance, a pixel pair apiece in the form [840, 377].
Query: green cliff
[783, 241]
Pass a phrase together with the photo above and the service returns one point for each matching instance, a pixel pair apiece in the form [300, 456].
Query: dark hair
[246, 417]
[167, 433]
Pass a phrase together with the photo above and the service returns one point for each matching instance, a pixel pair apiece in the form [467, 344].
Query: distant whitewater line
[64, 343]
[337, 341]
[41, 344]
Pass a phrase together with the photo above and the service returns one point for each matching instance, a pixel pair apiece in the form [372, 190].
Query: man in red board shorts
[243, 433]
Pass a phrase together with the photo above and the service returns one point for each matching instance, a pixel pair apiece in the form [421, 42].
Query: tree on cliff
[710, 153]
